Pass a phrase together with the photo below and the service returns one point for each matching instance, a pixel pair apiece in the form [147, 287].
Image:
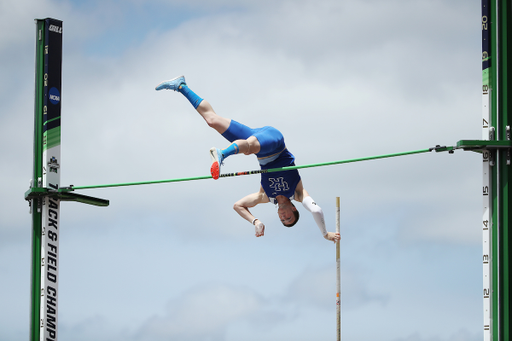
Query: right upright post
[497, 169]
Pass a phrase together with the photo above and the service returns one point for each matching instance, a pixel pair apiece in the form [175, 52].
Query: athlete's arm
[310, 205]
[242, 208]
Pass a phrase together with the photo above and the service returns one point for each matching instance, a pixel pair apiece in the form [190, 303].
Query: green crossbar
[437, 149]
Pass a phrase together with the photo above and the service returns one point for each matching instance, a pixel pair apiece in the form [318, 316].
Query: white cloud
[202, 314]
[316, 288]
[461, 335]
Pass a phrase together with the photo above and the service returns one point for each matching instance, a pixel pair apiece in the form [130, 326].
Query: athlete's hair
[296, 214]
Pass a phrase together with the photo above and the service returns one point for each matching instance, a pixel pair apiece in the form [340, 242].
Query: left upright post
[45, 208]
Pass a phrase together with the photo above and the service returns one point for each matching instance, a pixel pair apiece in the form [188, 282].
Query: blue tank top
[280, 183]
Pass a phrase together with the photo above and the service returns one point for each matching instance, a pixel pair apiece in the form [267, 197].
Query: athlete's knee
[213, 120]
[243, 147]
[253, 145]
[216, 122]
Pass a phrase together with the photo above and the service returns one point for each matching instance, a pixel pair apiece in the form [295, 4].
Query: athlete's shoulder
[263, 196]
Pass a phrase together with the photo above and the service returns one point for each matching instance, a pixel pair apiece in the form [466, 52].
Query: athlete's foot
[217, 159]
[173, 84]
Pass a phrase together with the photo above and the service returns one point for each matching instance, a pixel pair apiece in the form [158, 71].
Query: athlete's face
[286, 215]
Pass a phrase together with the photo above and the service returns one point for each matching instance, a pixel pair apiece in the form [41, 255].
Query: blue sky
[340, 79]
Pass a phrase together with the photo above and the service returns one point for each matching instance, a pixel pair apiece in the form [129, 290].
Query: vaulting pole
[338, 274]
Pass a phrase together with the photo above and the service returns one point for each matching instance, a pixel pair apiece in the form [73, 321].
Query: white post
[487, 217]
[338, 274]
[488, 162]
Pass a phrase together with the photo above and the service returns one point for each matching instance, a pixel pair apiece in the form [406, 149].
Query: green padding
[485, 77]
[52, 138]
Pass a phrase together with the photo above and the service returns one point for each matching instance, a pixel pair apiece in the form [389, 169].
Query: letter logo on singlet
[278, 184]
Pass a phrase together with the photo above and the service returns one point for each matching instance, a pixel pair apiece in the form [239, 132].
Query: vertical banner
[486, 181]
[50, 179]
[52, 103]
[49, 270]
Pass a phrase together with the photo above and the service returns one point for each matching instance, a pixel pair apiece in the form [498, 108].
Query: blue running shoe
[217, 159]
[173, 84]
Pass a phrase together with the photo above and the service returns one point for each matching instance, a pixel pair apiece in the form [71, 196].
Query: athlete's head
[288, 214]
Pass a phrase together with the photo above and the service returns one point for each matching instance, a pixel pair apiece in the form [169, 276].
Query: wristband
[254, 220]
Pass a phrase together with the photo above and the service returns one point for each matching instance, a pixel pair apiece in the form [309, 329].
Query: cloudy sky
[341, 79]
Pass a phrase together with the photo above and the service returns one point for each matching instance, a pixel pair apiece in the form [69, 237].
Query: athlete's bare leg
[219, 123]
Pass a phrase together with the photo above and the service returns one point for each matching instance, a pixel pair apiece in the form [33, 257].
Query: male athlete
[268, 145]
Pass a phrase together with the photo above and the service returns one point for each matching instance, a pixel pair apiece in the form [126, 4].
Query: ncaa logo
[54, 96]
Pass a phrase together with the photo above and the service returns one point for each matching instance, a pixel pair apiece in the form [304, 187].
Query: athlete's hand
[332, 236]
[260, 228]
